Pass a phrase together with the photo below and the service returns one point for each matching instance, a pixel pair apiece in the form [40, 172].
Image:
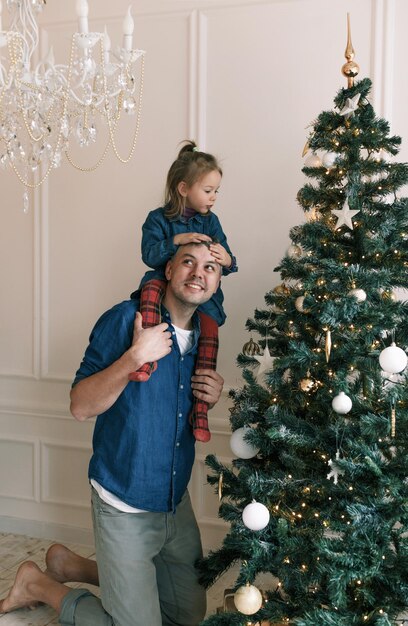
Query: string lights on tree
[317, 491]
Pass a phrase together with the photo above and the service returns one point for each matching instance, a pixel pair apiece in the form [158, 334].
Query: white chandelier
[45, 106]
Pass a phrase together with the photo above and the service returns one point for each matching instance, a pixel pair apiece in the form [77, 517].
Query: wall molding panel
[19, 468]
[64, 473]
[382, 71]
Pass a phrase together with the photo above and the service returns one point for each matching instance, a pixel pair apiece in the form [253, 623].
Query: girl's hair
[190, 166]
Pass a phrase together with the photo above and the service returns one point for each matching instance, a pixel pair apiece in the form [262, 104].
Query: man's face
[193, 275]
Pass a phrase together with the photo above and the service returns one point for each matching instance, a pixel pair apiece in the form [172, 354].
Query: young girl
[192, 184]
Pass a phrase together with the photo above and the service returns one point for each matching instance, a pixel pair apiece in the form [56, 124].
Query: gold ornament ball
[350, 69]
[299, 304]
[250, 348]
[281, 289]
[307, 384]
[313, 160]
[294, 251]
[248, 599]
[388, 295]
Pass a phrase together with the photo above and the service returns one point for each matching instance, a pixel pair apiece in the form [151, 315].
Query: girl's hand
[220, 255]
[184, 238]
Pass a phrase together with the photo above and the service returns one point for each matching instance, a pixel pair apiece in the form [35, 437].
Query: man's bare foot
[65, 566]
[22, 593]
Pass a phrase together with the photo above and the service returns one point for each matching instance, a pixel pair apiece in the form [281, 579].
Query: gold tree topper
[349, 69]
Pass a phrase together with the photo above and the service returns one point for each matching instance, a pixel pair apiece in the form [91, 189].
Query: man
[146, 536]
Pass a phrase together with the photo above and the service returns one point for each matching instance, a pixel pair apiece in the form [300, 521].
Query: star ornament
[344, 216]
[350, 106]
[265, 362]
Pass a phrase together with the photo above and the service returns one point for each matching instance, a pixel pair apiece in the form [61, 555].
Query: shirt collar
[166, 317]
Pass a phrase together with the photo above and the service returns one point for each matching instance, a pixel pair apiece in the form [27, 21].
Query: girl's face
[201, 195]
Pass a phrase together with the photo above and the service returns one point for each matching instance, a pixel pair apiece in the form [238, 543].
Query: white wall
[244, 78]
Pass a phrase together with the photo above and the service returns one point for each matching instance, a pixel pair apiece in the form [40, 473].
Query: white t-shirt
[185, 340]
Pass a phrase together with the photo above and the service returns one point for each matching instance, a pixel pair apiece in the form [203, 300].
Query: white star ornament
[265, 362]
[350, 106]
[344, 216]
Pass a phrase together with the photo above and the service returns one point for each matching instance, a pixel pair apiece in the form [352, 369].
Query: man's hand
[149, 344]
[97, 393]
[184, 238]
[207, 385]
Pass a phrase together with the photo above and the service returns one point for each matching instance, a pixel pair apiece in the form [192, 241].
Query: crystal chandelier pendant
[26, 203]
[47, 108]
[130, 105]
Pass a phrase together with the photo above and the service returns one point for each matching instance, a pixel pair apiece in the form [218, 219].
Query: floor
[14, 549]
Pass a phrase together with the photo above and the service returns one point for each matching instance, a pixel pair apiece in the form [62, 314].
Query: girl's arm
[157, 243]
[218, 235]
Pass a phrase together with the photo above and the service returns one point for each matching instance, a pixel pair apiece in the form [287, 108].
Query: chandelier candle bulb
[49, 59]
[128, 28]
[82, 12]
[106, 46]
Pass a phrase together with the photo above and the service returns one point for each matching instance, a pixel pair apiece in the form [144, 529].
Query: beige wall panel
[206, 503]
[95, 219]
[18, 468]
[16, 278]
[64, 471]
[397, 46]
[271, 68]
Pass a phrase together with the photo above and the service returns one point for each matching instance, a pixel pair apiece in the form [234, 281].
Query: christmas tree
[317, 496]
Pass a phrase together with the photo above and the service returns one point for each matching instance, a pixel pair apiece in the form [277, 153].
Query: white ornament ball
[388, 199]
[241, 448]
[393, 359]
[313, 160]
[299, 304]
[248, 599]
[255, 516]
[294, 251]
[329, 158]
[359, 294]
[341, 403]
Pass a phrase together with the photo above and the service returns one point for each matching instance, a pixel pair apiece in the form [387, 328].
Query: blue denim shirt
[158, 247]
[143, 446]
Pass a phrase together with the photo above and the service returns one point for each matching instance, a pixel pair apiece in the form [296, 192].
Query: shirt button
[180, 415]
[181, 386]
[182, 358]
[178, 444]
[174, 332]
[174, 473]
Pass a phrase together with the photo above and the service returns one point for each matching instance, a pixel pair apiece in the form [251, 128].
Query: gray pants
[146, 570]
